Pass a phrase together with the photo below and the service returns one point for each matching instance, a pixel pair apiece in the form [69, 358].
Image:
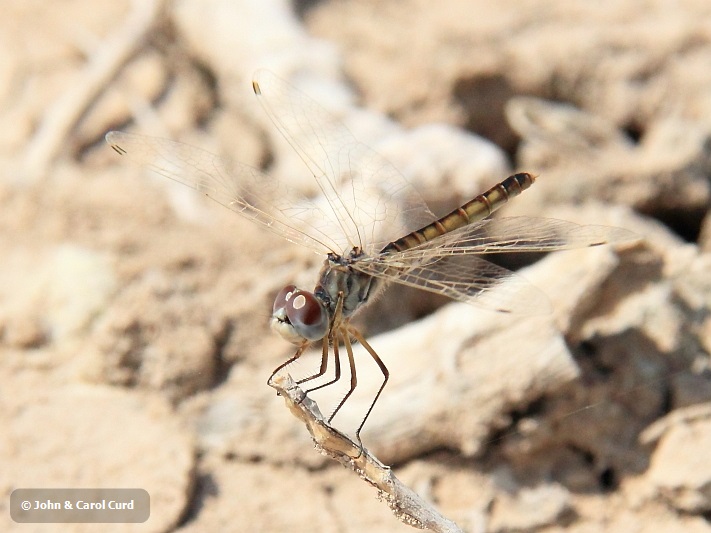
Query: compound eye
[283, 297]
[307, 315]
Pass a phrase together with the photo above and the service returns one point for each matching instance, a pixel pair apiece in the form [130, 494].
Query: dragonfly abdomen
[476, 209]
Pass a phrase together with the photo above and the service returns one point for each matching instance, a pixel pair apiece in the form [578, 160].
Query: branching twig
[402, 500]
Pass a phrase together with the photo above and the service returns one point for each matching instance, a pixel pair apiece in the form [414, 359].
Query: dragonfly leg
[324, 364]
[351, 362]
[298, 354]
[338, 313]
[324, 352]
[338, 367]
[386, 374]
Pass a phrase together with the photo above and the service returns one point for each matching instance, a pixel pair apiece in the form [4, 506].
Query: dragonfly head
[298, 316]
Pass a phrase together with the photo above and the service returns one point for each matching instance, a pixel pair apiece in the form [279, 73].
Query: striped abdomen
[478, 208]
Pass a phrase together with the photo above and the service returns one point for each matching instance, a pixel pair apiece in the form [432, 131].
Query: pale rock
[680, 471]
[530, 508]
[444, 162]
[54, 292]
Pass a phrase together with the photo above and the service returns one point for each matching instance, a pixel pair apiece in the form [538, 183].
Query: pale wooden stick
[101, 67]
[403, 501]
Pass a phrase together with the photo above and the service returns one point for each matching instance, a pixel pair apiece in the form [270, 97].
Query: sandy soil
[134, 337]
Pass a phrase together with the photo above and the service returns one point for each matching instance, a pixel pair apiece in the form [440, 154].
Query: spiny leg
[337, 357]
[386, 374]
[351, 362]
[324, 364]
[298, 354]
[324, 352]
[331, 338]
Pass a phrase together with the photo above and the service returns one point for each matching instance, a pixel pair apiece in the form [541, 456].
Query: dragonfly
[371, 224]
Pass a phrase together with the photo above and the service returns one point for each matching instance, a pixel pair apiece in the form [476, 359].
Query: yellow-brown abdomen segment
[477, 209]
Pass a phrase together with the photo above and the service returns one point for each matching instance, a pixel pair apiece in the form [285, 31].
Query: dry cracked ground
[134, 336]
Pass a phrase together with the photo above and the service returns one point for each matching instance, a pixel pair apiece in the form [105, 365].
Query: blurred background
[134, 338]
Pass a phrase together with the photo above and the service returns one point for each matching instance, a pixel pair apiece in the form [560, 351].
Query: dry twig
[101, 67]
[402, 500]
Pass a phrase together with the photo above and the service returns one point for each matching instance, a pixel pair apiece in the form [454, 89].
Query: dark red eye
[307, 315]
[283, 297]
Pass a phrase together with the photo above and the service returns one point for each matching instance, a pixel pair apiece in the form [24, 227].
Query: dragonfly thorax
[338, 276]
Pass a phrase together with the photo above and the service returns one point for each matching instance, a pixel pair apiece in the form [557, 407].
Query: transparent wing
[241, 188]
[514, 234]
[369, 199]
[469, 279]
[449, 264]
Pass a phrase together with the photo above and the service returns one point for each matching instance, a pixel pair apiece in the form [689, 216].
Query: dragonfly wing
[517, 234]
[241, 188]
[469, 279]
[368, 197]
[450, 264]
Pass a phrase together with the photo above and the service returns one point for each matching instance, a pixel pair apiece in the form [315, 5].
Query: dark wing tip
[256, 88]
[111, 139]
